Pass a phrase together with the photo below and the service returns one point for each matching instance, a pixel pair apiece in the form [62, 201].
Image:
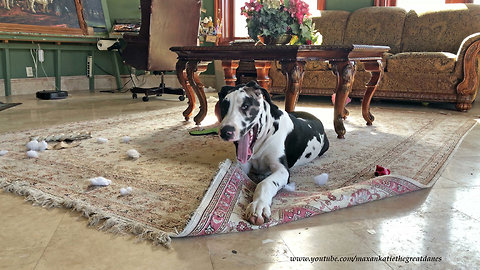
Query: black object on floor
[52, 94]
[4, 106]
[161, 89]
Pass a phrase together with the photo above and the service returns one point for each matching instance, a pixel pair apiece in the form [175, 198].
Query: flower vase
[269, 40]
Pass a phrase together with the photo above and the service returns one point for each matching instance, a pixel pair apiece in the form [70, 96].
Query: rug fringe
[96, 218]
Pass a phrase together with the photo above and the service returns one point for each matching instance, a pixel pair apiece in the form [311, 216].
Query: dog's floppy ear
[253, 84]
[260, 91]
[266, 95]
[225, 91]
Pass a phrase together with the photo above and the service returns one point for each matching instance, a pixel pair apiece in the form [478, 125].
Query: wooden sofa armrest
[468, 55]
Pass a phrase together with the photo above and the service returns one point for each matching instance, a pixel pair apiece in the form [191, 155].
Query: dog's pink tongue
[243, 148]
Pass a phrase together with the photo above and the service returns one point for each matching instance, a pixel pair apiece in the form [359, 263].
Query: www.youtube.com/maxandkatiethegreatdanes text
[355, 258]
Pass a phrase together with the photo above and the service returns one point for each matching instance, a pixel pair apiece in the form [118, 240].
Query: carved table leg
[194, 68]
[345, 72]
[293, 71]
[182, 78]
[230, 70]
[376, 69]
[263, 67]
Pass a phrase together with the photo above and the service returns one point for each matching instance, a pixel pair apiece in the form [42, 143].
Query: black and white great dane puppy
[268, 140]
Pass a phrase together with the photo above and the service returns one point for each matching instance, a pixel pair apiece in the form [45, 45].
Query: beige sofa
[433, 56]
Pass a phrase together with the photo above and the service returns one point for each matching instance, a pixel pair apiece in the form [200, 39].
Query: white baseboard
[27, 86]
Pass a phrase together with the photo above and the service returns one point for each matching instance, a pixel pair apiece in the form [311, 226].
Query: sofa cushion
[440, 30]
[421, 62]
[331, 25]
[441, 83]
[324, 65]
[376, 26]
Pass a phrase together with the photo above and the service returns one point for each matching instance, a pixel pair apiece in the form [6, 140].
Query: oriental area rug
[184, 185]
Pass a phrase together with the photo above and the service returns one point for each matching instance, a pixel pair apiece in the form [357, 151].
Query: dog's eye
[244, 107]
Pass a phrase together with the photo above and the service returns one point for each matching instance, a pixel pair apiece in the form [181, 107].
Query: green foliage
[268, 22]
[275, 18]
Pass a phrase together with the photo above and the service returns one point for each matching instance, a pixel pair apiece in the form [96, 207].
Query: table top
[282, 52]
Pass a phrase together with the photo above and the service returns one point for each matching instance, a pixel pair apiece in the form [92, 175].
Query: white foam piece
[126, 139]
[212, 99]
[3, 152]
[125, 191]
[32, 154]
[42, 146]
[290, 187]
[132, 153]
[32, 145]
[102, 140]
[321, 179]
[266, 241]
[100, 181]
[209, 89]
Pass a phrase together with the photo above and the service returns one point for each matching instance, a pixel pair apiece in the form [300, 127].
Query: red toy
[381, 171]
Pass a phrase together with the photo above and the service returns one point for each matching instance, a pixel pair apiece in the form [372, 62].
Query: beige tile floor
[442, 222]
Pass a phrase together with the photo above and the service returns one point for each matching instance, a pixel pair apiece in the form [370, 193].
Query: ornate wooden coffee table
[194, 60]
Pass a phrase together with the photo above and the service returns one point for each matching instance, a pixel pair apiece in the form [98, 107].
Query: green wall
[124, 9]
[348, 5]
[73, 63]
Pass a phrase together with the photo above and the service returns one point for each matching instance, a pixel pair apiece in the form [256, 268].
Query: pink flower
[331, 197]
[298, 10]
[309, 42]
[242, 226]
[361, 196]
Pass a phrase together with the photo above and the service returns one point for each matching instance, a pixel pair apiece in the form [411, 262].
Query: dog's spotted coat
[268, 140]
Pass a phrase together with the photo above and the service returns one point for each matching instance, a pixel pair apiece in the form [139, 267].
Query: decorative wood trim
[468, 88]
[194, 68]
[293, 71]
[376, 69]
[12, 27]
[469, 84]
[180, 68]
[345, 73]
[224, 12]
[321, 4]
[81, 19]
[229, 69]
[263, 68]
[458, 1]
[385, 3]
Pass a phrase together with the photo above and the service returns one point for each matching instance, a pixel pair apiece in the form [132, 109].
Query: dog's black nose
[227, 132]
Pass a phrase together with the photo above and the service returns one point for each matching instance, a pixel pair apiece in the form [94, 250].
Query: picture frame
[56, 17]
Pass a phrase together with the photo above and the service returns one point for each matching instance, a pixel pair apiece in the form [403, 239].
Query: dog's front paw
[258, 212]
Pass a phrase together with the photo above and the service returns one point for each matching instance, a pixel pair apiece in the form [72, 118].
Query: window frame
[224, 11]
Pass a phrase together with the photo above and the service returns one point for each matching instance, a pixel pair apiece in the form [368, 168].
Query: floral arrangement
[276, 18]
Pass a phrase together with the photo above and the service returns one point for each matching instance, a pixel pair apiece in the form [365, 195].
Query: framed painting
[93, 15]
[63, 17]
